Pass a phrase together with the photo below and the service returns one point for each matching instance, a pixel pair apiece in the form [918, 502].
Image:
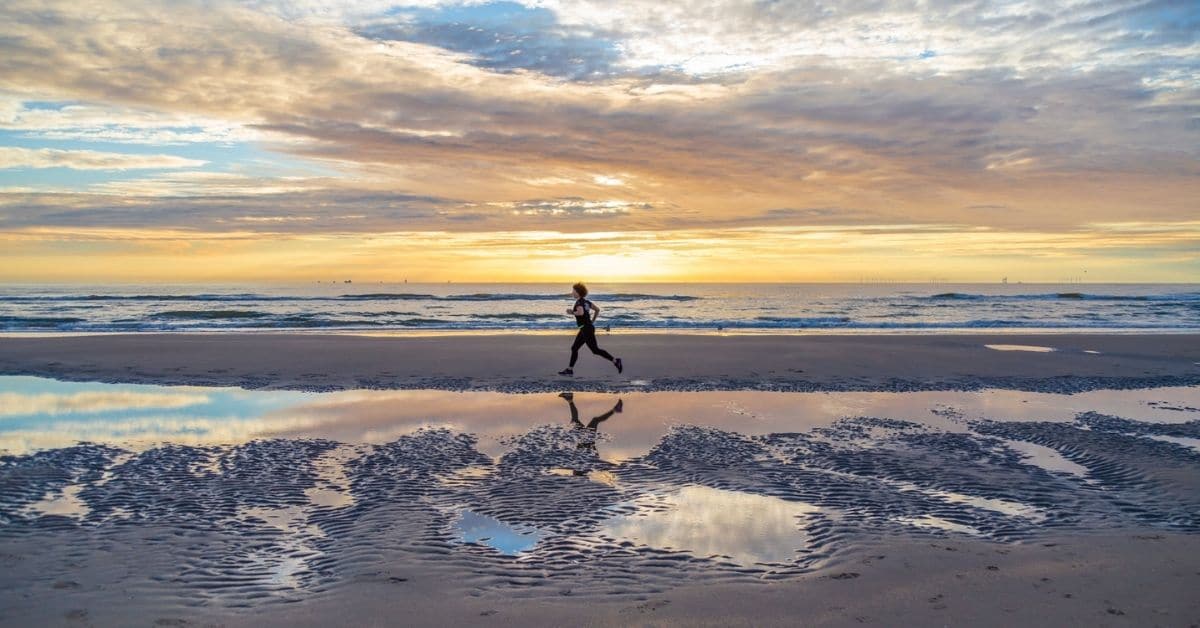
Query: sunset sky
[640, 140]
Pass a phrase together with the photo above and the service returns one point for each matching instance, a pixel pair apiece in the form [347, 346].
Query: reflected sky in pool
[476, 528]
[38, 413]
[728, 525]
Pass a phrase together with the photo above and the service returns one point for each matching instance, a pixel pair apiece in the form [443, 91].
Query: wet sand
[893, 507]
[1134, 578]
[929, 509]
[528, 363]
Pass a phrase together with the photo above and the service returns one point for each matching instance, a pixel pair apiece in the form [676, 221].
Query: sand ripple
[280, 520]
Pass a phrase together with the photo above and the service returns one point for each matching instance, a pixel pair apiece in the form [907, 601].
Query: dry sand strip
[1134, 579]
[1128, 578]
[528, 362]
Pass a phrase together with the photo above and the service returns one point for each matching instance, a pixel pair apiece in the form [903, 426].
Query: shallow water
[1028, 348]
[745, 528]
[284, 494]
[38, 413]
[392, 307]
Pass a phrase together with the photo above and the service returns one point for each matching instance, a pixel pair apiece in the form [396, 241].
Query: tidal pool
[38, 413]
[277, 492]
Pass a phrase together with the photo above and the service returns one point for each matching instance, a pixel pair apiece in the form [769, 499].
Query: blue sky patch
[505, 36]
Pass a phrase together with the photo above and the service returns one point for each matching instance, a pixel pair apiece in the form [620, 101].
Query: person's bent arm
[595, 312]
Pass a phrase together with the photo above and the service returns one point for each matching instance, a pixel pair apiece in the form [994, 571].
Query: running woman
[585, 313]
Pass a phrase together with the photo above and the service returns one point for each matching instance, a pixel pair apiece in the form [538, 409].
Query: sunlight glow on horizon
[752, 254]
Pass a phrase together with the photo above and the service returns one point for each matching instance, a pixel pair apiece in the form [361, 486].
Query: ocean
[383, 307]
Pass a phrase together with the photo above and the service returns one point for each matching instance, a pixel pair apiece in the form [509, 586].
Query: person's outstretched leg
[592, 344]
[619, 407]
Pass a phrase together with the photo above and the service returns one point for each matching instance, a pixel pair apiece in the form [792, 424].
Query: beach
[655, 361]
[741, 479]
[592, 313]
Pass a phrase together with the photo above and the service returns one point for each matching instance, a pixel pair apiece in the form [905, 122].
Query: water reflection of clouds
[1046, 458]
[707, 521]
[381, 416]
[506, 539]
[38, 413]
[136, 415]
[51, 404]
[65, 503]
[138, 433]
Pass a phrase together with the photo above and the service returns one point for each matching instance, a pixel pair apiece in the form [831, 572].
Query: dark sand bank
[1131, 578]
[1137, 578]
[527, 363]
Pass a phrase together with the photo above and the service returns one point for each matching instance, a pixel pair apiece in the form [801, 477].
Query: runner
[585, 313]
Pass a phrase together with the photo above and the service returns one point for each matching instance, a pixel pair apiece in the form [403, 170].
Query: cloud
[228, 203]
[201, 184]
[571, 206]
[270, 207]
[846, 219]
[712, 113]
[603, 179]
[351, 99]
[101, 123]
[15, 157]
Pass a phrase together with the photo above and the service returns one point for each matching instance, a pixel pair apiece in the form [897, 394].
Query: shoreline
[655, 362]
[634, 331]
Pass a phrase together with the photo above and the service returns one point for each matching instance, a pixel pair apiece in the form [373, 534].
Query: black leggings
[587, 335]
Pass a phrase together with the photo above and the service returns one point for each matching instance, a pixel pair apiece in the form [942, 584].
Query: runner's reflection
[588, 433]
